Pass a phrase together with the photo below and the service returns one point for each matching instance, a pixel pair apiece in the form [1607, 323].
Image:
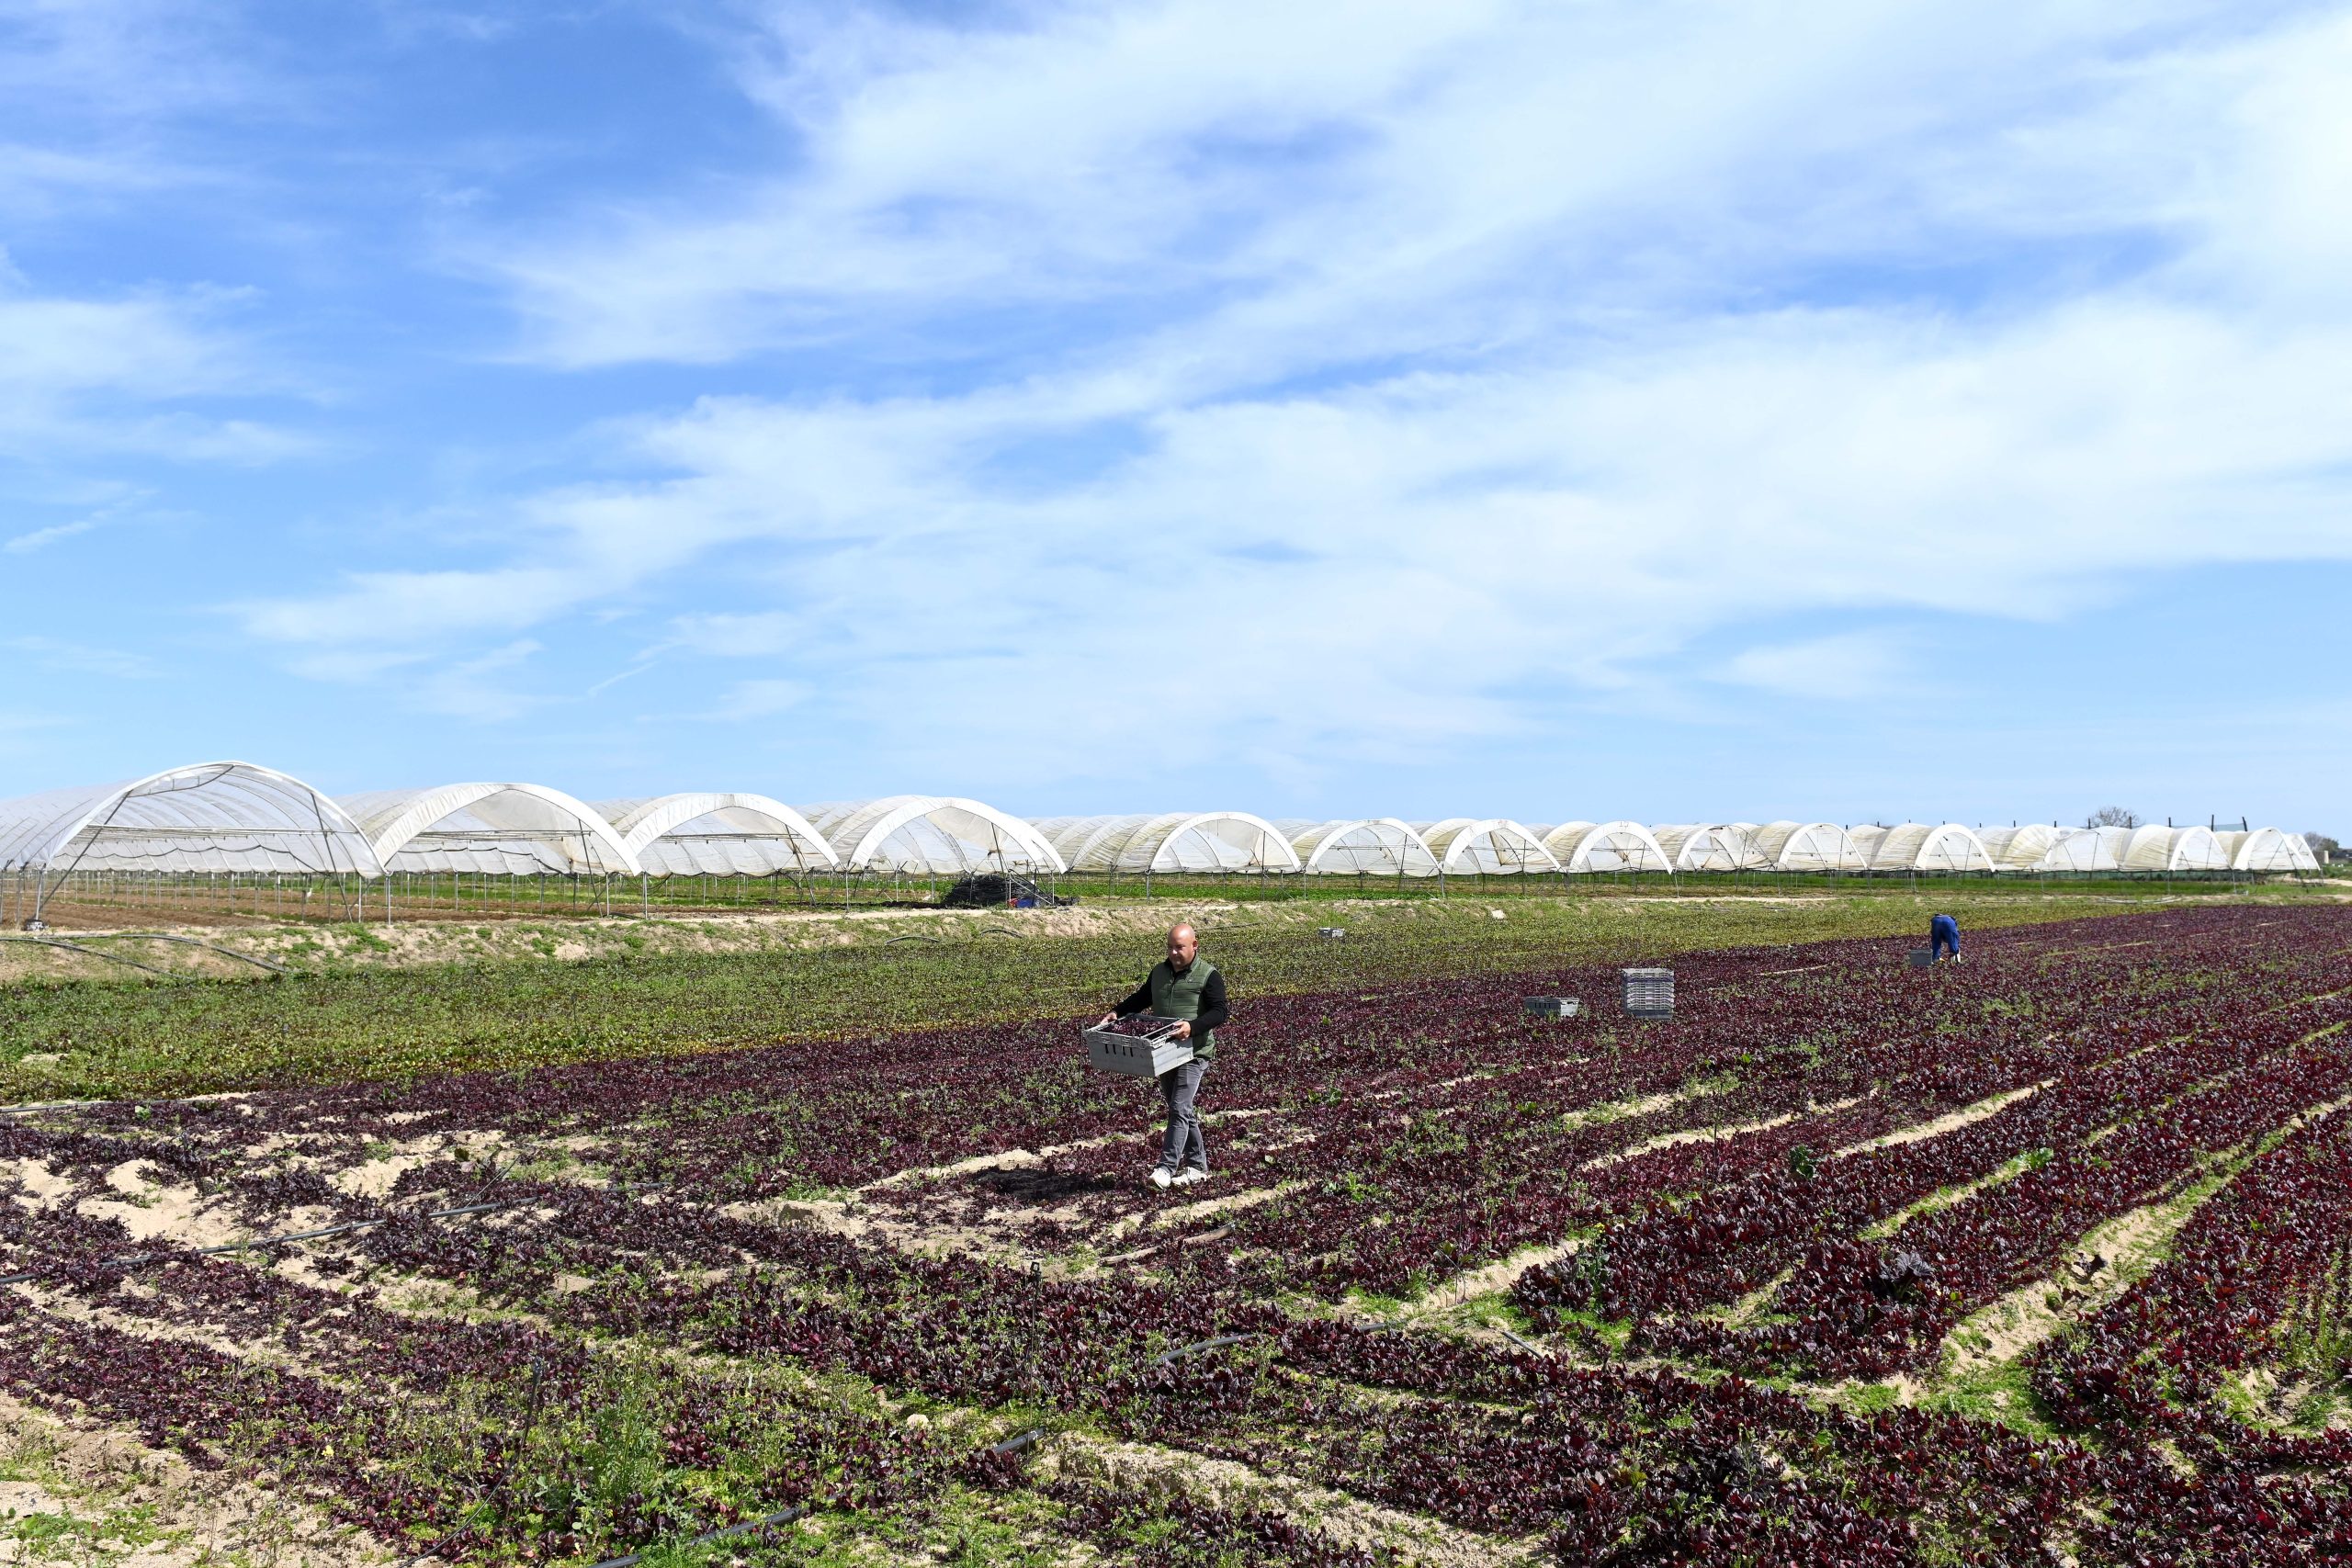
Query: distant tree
[2322, 843]
[2114, 817]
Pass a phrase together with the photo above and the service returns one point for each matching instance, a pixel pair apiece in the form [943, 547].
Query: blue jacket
[1944, 926]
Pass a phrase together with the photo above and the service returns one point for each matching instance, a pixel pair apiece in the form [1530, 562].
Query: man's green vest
[1179, 996]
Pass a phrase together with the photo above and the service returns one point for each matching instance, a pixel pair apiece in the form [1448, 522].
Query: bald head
[1183, 942]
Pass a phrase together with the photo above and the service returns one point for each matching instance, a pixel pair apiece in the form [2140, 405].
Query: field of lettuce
[2046, 1258]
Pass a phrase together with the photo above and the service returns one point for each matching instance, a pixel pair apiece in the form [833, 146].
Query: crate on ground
[1330, 934]
[1650, 993]
[1923, 958]
[1140, 1047]
[1551, 1007]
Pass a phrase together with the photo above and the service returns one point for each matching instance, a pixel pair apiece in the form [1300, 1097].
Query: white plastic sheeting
[718, 835]
[2086, 850]
[1171, 841]
[1561, 841]
[1709, 846]
[1808, 847]
[210, 817]
[1583, 848]
[1373, 846]
[2173, 849]
[1488, 846]
[1867, 837]
[512, 830]
[930, 835]
[1922, 846]
[2023, 847]
[1673, 837]
[2268, 848]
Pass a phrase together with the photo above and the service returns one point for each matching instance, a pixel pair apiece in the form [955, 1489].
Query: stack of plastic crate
[1650, 993]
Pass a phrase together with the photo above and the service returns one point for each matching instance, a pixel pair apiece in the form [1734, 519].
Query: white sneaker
[1188, 1178]
[1162, 1176]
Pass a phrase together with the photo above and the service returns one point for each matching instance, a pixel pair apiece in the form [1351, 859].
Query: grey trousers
[1183, 1146]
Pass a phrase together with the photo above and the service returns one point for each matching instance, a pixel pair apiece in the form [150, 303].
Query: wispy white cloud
[95, 63]
[27, 543]
[1849, 666]
[483, 689]
[1390, 381]
[729, 635]
[747, 700]
[85, 377]
[50, 653]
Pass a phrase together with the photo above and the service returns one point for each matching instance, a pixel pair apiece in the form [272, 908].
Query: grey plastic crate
[1650, 993]
[1330, 934]
[1551, 1007]
[1134, 1055]
[1923, 958]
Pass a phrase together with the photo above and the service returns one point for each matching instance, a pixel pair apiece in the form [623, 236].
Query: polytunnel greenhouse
[1170, 841]
[167, 835]
[2087, 850]
[496, 829]
[1583, 848]
[1920, 846]
[241, 839]
[718, 835]
[929, 835]
[1378, 846]
[2021, 848]
[1807, 847]
[2170, 849]
[2268, 849]
[1484, 846]
[1709, 846]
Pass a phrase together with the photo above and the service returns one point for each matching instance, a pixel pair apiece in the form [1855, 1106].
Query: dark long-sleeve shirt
[1213, 1009]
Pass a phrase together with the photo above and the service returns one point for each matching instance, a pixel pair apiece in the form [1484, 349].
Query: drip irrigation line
[1171, 1357]
[784, 1516]
[191, 941]
[262, 1242]
[747, 1528]
[1014, 1445]
[1530, 1349]
[94, 953]
[942, 941]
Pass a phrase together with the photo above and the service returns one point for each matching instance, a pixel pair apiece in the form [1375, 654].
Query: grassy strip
[148, 1039]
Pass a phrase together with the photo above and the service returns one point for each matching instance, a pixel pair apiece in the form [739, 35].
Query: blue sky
[1672, 410]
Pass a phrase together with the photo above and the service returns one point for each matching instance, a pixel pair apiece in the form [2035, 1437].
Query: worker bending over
[1944, 932]
[1187, 988]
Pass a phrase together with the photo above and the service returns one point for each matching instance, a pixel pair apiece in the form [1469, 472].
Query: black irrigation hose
[1009, 1446]
[1530, 1349]
[94, 953]
[1171, 1357]
[942, 942]
[1014, 1445]
[771, 1522]
[191, 941]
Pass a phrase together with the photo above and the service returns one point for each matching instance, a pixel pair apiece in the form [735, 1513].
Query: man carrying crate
[1185, 986]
